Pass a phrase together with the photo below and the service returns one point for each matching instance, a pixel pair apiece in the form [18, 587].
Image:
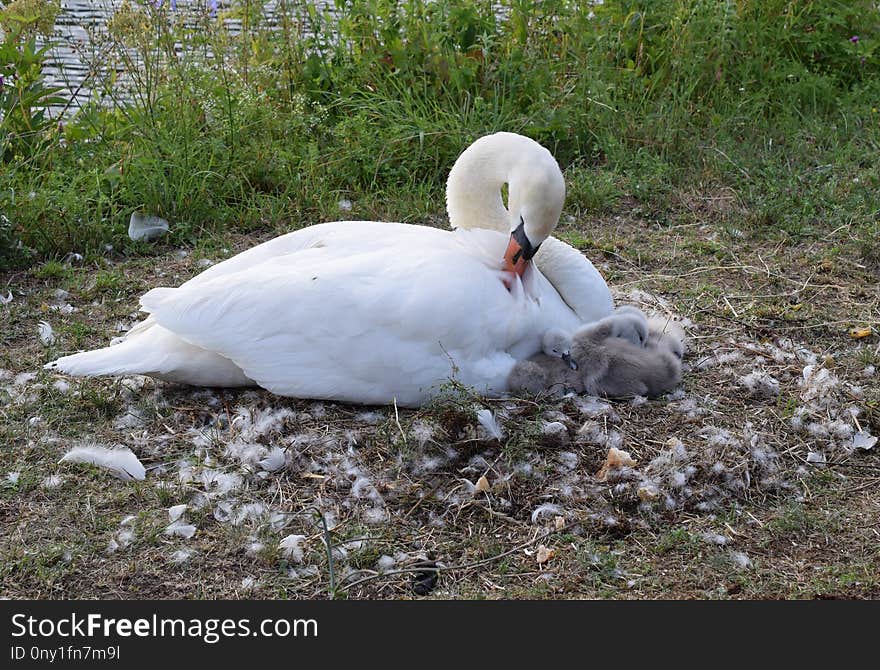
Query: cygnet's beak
[566, 357]
[519, 251]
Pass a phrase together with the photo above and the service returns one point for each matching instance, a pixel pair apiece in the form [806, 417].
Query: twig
[727, 302]
[422, 499]
[451, 568]
[860, 487]
[397, 421]
[853, 465]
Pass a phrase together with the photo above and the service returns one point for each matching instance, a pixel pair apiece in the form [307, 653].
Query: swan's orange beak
[514, 258]
[519, 253]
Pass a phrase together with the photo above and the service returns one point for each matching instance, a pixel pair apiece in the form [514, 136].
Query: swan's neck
[536, 193]
[536, 189]
[473, 190]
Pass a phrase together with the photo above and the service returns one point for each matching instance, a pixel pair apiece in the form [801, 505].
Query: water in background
[75, 59]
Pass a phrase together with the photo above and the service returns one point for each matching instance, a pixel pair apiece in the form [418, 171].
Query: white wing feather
[122, 463]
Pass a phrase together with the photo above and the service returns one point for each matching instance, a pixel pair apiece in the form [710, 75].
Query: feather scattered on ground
[274, 460]
[487, 420]
[180, 556]
[740, 560]
[385, 563]
[545, 510]
[121, 462]
[61, 386]
[291, 547]
[863, 440]
[52, 482]
[816, 457]
[47, 335]
[180, 529]
[175, 512]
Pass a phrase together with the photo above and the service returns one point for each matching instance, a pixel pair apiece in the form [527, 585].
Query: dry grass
[722, 502]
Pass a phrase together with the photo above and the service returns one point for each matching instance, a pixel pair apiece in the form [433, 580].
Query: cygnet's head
[668, 334]
[631, 326]
[582, 348]
[556, 342]
[674, 345]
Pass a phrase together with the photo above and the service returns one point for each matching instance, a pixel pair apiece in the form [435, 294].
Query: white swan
[374, 312]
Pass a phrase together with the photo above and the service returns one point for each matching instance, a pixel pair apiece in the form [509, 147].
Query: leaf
[543, 554]
[615, 459]
[858, 333]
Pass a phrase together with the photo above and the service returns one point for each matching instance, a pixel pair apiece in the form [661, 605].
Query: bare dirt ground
[758, 478]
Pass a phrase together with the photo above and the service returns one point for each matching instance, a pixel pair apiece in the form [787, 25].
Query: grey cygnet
[615, 367]
[624, 354]
[550, 371]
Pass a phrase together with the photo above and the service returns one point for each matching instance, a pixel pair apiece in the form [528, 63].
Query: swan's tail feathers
[155, 352]
[92, 363]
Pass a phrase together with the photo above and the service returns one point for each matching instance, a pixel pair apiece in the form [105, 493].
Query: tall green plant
[25, 123]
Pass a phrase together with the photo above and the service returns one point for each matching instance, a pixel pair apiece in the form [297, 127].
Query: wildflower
[854, 39]
[212, 8]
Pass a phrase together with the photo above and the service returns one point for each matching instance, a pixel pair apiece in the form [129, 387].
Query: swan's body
[376, 312]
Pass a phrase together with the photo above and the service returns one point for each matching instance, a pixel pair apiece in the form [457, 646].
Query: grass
[718, 161]
[262, 130]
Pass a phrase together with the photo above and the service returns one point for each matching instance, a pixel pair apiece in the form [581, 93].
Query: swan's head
[537, 192]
